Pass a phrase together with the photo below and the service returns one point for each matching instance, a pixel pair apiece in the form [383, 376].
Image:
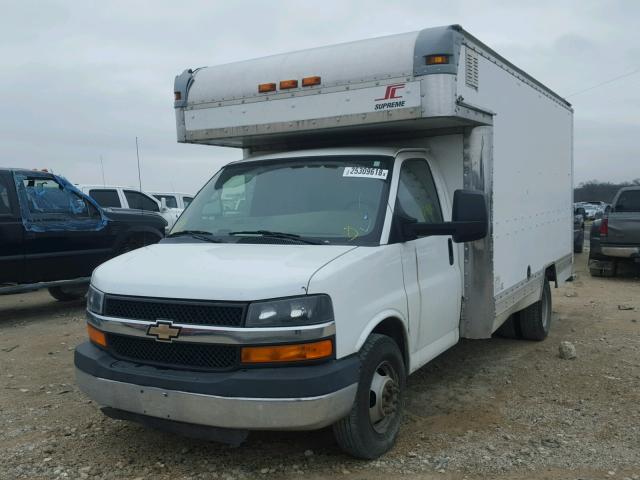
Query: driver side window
[417, 194]
[47, 197]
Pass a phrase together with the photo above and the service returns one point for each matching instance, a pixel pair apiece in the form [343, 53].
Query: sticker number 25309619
[365, 172]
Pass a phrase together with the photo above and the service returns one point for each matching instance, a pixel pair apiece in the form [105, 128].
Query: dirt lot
[485, 409]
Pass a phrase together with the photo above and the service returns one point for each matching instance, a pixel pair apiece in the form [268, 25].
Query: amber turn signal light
[310, 81]
[286, 84]
[177, 96]
[288, 353]
[437, 59]
[266, 87]
[96, 336]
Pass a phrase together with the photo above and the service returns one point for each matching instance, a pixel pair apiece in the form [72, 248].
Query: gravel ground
[485, 409]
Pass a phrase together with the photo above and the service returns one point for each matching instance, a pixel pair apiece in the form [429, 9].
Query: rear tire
[510, 328]
[595, 272]
[68, 294]
[535, 320]
[371, 428]
[602, 268]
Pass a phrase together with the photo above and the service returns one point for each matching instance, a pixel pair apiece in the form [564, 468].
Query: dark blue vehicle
[53, 236]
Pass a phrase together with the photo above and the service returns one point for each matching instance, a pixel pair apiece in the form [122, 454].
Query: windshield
[337, 200]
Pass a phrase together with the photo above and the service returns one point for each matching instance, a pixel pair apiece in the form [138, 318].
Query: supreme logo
[391, 93]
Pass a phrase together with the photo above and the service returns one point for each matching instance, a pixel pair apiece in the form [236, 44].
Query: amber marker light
[310, 81]
[266, 87]
[96, 336]
[288, 353]
[437, 59]
[286, 84]
[177, 96]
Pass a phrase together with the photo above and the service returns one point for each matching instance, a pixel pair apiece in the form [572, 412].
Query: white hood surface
[207, 271]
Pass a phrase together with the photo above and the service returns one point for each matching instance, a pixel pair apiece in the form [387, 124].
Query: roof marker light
[310, 81]
[439, 59]
[266, 87]
[286, 84]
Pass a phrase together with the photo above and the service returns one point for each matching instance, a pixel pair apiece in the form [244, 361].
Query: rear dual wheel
[371, 427]
[532, 323]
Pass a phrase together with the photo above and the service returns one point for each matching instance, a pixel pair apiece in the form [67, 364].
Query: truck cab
[53, 236]
[377, 214]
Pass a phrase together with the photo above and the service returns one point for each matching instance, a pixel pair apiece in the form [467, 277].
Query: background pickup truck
[53, 236]
[616, 237]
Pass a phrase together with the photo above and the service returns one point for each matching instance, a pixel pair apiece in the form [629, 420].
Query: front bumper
[285, 398]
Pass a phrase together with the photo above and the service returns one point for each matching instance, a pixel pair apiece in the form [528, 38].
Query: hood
[206, 271]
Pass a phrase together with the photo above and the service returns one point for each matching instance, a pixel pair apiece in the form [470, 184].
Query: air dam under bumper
[234, 412]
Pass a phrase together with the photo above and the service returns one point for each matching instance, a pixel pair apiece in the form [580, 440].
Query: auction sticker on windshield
[365, 172]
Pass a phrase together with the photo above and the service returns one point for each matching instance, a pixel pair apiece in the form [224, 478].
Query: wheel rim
[384, 397]
[546, 310]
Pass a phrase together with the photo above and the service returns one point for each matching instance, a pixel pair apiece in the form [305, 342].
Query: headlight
[289, 312]
[95, 300]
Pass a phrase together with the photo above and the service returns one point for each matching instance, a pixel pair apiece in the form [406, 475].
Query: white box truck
[394, 195]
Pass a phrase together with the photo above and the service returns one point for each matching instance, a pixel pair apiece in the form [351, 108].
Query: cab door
[65, 234]
[431, 268]
[11, 233]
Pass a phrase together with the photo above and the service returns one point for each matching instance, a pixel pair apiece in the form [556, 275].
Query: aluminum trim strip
[228, 412]
[215, 334]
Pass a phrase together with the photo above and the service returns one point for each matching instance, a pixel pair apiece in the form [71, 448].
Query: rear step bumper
[621, 252]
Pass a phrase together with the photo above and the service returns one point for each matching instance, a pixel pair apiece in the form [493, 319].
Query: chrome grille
[180, 311]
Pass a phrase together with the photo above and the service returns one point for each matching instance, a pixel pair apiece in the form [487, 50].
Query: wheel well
[550, 274]
[394, 328]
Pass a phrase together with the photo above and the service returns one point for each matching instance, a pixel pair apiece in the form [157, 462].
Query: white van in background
[174, 200]
[111, 196]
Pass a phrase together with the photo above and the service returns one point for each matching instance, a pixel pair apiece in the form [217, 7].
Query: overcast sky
[82, 79]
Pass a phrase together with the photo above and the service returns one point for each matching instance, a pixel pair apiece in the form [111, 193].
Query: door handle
[450, 243]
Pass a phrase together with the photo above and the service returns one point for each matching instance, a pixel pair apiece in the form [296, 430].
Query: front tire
[68, 294]
[372, 426]
[535, 320]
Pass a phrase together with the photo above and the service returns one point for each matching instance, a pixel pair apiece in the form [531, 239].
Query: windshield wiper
[197, 234]
[288, 236]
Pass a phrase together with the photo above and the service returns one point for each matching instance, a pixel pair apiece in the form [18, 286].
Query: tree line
[597, 191]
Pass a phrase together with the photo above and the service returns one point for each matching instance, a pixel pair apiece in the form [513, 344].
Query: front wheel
[372, 426]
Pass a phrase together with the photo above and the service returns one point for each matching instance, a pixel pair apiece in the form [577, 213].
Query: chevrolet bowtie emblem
[163, 330]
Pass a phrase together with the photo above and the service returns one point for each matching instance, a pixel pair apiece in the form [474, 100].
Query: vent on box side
[471, 68]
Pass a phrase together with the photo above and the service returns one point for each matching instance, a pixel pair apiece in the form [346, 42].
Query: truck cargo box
[489, 125]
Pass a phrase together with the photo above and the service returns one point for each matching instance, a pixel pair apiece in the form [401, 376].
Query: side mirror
[470, 216]
[163, 204]
[470, 220]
